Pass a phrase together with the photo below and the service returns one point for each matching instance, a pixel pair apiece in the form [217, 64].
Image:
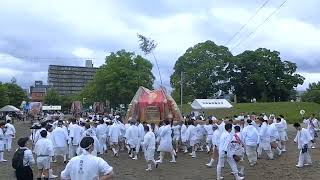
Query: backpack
[17, 160]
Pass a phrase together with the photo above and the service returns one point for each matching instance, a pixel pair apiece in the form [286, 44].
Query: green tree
[313, 93]
[4, 98]
[52, 97]
[204, 69]
[15, 93]
[119, 79]
[261, 74]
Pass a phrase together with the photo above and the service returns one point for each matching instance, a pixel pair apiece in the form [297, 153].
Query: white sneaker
[298, 166]
[173, 161]
[313, 147]
[53, 176]
[307, 164]
[209, 165]
[135, 158]
[185, 151]
[148, 169]
[3, 160]
[219, 178]
[284, 150]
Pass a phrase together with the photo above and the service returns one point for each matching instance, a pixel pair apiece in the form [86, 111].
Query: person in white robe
[192, 137]
[215, 144]
[102, 136]
[2, 141]
[44, 152]
[49, 129]
[89, 132]
[265, 140]
[226, 153]
[141, 135]
[176, 135]
[313, 127]
[237, 148]
[274, 136]
[165, 145]
[209, 134]
[251, 139]
[59, 138]
[114, 134]
[304, 140]
[74, 137]
[10, 134]
[87, 166]
[285, 126]
[149, 144]
[132, 138]
[200, 135]
[184, 137]
[282, 134]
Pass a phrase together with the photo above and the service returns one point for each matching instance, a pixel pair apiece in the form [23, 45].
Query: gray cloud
[37, 35]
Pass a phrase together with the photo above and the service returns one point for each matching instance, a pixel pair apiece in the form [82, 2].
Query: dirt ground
[186, 168]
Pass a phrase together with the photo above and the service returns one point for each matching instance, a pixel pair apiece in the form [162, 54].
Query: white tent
[51, 108]
[9, 108]
[207, 104]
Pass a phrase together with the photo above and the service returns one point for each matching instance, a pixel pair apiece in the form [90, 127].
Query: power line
[243, 26]
[252, 32]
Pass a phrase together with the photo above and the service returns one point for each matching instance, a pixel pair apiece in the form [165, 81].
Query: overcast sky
[35, 34]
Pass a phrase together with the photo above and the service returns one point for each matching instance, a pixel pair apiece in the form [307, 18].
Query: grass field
[289, 109]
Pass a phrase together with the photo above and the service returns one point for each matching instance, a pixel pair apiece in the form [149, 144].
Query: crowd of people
[81, 140]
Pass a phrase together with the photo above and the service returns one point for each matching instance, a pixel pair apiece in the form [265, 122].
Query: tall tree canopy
[11, 93]
[261, 74]
[119, 79]
[52, 97]
[4, 98]
[205, 71]
[313, 93]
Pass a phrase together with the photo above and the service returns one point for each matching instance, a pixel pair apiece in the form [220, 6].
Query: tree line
[208, 70]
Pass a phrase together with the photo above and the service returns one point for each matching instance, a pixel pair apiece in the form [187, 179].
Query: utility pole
[181, 91]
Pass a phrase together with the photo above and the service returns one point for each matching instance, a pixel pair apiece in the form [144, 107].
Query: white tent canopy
[207, 104]
[9, 108]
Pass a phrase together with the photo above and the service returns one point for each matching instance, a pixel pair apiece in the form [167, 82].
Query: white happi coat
[114, 133]
[192, 135]
[184, 137]
[149, 144]
[60, 138]
[250, 136]
[273, 131]
[44, 147]
[215, 139]
[75, 133]
[237, 146]
[209, 132]
[200, 132]
[102, 131]
[11, 131]
[264, 137]
[2, 139]
[303, 137]
[86, 167]
[37, 135]
[176, 132]
[224, 145]
[132, 136]
[141, 132]
[165, 139]
[312, 125]
[281, 131]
